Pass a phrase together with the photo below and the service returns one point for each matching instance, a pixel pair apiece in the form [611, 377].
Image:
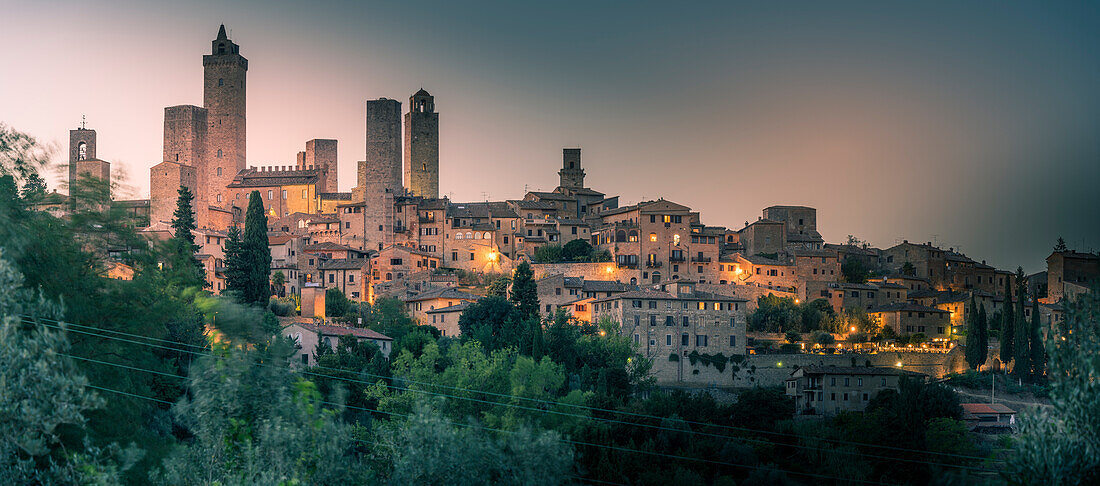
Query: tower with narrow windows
[224, 72]
[81, 148]
[571, 175]
[422, 146]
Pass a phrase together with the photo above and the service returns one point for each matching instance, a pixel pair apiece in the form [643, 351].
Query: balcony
[653, 264]
[676, 259]
[699, 259]
[400, 229]
[627, 261]
[426, 219]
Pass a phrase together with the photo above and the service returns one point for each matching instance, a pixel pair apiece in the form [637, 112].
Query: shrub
[673, 357]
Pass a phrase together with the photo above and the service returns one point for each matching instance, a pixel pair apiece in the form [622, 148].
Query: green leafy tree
[184, 264]
[495, 322]
[278, 279]
[981, 336]
[854, 271]
[427, 449]
[525, 292]
[254, 423]
[236, 272]
[34, 188]
[819, 315]
[907, 268]
[775, 314]
[1060, 444]
[337, 304]
[577, 250]
[346, 371]
[548, 254]
[499, 286]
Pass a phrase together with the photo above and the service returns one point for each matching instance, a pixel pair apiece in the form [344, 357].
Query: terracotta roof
[443, 293]
[327, 245]
[340, 196]
[344, 264]
[554, 196]
[986, 408]
[901, 306]
[254, 178]
[327, 330]
[454, 308]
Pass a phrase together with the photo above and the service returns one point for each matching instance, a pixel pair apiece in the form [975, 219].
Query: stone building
[284, 190]
[320, 154]
[677, 321]
[928, 261]
[84, 167]
[571, 175]
[1073, 268]
[821, 390]
[763, 237]
[81, 148]
[907, 319]
[556, 291]
[653, 237]
[419, 305]
[863, 296]
[422, 146]
[800, 223]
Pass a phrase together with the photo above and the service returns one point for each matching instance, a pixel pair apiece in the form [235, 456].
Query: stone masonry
[422, 146]
[224, 72]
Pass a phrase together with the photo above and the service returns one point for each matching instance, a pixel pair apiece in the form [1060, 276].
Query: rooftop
[327, 330]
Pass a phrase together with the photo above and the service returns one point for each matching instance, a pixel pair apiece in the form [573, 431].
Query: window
[284, 194]
[471, 256]
[305, 359]
[652, 320]
[846, 383]
[653, 237]
[733, 340]
[219, 198]
[219, 171]
[557, 291]
[701, 340]
[653, 304]
[859, 381]
[304, 193]
[637, 320]
[832, 381]
[332, 278]
[637, 304]
[668, 340]
[219, 153]
[454, 256]
[845, 397]
[547, 307]
[270, 194]
[684, 339]
[221, 81]
[685, 321]
[669, 321]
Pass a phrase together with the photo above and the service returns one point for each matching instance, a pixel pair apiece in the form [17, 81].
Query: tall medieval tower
[379, 176]
[422, 146]
[571, 175]
[224, 99]
[81, 148]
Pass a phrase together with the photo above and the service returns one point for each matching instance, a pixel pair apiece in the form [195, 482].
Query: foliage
[793, 337]
[337, 305]
[525, 293]
[1038, 355]
[1008, 325]
[907, 268]
[248, 259]
[494, 322]
[818, 314]
[976, 347]
[1060, 245]
[426, 449]
[1021, 336]
[1060, 445]
[499, 287]
[253, 423]
[822, 338]
[346, 371]
[183, 240]
[577, 250]
[548, 254]
[854, 271]
[283, 307]
[774, 313]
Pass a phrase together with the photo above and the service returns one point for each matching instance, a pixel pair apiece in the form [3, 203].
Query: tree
[184, 263]
[254, 255]
[548, 254]
[854, 271]
[1038, 353]
[1060, 245]
[907, 268]
[1060, 444]
[236, 273]
[793, 337]
[975, 353]
[499, 286]
[1021, 337]
[577, 250]
[336, 304]
[34, 188]
[525, 292]
[494, 322]
[1008, 326]
[982, 336]
[278, 279]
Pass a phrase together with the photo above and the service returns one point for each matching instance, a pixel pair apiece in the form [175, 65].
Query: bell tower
[571, 175]
[422, 146]
[224, 72]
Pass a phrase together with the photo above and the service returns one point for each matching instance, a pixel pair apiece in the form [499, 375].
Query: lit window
[653, 237]
[676, 239]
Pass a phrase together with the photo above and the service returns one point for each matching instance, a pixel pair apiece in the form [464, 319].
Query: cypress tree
[256, 254]
[1021, 336]
[1038, 352]
[973, 339]
[1008, 325]
[235, 271]
[525, 293]
[983, 334]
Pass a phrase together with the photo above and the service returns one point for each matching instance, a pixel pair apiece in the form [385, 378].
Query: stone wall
[774, 369]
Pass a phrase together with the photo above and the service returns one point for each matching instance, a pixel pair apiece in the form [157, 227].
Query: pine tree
[1008, 325]
[1038, 352]
[1021, 335]
[983, 335]
[525, 294]
[1060, 245]
[183, 240]
[255, 253]
[973, 339]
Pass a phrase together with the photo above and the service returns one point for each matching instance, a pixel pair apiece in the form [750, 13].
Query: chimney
[905, 241]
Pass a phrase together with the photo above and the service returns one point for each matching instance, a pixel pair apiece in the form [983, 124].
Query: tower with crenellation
[224, 71]
[422, 146]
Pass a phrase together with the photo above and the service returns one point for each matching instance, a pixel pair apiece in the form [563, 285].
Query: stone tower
[81, 147]
[321, 153]
[422, 146]
[571, 175]
[382, 167]
[224, 99]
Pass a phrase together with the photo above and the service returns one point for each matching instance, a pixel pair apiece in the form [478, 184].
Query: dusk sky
[975, 125]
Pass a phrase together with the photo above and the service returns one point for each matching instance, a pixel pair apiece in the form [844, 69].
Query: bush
[673, 357]
[548, 254]
[283, 307]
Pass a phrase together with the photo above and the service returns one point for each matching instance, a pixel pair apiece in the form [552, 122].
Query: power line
[548, 402]
[493, 429]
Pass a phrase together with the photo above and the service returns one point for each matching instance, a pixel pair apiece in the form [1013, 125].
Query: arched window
[221, 81]
[82, 151]
[633, 280]
[632, 236]
[458, 236]
[219, 153]
[488, 236]
[469, 235]
[389, 276]
[620, 236]
[219, 171]
[477, 236]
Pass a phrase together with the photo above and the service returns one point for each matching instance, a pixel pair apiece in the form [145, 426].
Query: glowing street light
[853, 328]
[898, 364]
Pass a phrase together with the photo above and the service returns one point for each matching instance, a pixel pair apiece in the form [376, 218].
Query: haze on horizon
[972, 125]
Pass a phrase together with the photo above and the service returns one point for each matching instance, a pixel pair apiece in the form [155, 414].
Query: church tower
[81, 148]
[224, 99]
[422, 146]
[571, 175]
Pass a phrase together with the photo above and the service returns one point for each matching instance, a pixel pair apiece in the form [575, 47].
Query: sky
[973, 125]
